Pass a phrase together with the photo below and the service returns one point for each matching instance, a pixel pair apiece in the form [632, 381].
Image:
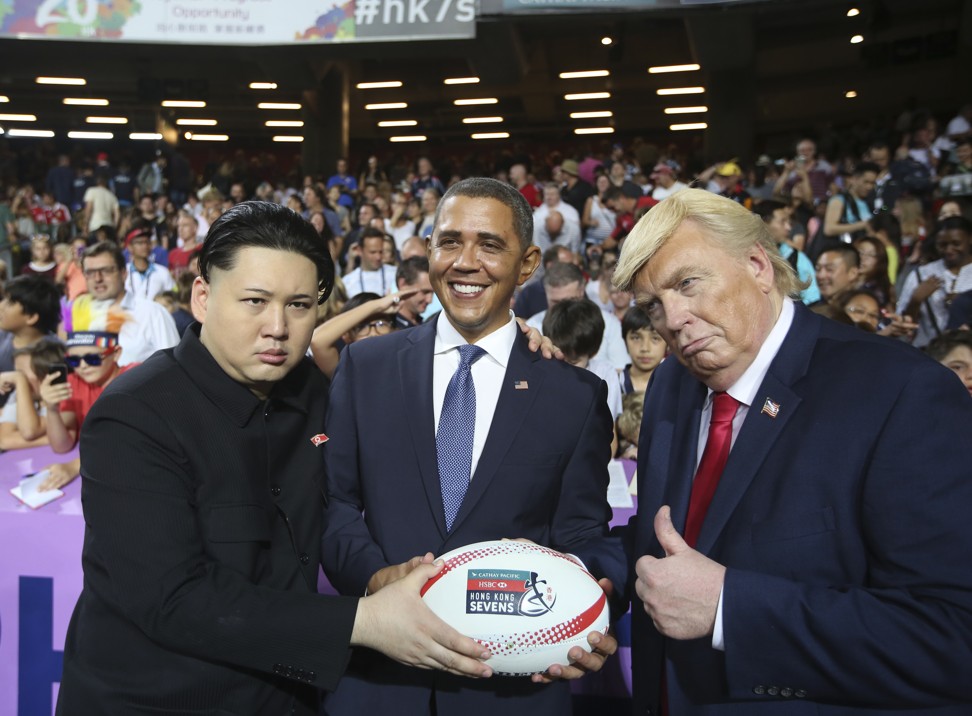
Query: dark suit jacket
[542, 475]
[843, 523]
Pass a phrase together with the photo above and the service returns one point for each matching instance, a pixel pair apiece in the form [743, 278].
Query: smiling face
[476, 261]
[258, 316]
[713, 309]
[954, 247]
[834, 275]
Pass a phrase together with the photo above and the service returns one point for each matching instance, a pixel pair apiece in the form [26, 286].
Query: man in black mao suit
[203, 495]
[540, 471]
[830, 571]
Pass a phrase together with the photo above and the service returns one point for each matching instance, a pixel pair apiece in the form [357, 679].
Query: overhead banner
[238, 22]
[502, 7]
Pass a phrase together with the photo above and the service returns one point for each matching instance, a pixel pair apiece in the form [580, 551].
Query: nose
[275, 325]
[675, 313]
[467, 259]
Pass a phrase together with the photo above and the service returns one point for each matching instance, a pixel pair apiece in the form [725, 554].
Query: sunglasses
[92, 359]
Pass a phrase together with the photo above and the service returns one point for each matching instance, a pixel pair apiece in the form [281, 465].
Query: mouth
[693, 347]
[273, 356]
[467, 290]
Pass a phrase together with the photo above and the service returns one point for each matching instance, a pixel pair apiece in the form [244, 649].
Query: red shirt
[533, 195]
[626, 222]
[83, 395]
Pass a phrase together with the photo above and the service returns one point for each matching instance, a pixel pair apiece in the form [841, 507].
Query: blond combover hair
[721, 220]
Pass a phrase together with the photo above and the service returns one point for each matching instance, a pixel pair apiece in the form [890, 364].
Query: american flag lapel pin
[319, 439]
[770, 408]
[521, 385]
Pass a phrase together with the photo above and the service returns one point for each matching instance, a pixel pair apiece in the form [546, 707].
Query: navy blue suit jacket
[542, 475]
[843, 524]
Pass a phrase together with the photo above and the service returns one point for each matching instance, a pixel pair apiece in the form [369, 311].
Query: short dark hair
[36, 296]
[944, 344]
[487, 188]
[262, 224]
[864, 167]
[43, 355]
[408, 270]
[847, 253]
[104, 247]
[613, 193]
[551, 255]
[576, 326]
[635, 319]
[370, 232]
[359, 299]
[953, 223]
[561, 274]
[766, 208]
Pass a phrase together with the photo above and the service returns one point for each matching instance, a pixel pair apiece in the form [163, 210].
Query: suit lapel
[511, 410]
[678, 486]
[415, 379]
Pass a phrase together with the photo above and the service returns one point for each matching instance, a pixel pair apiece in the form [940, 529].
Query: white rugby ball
[526, 603]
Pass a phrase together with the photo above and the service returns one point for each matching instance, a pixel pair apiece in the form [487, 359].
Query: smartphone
[62, 370]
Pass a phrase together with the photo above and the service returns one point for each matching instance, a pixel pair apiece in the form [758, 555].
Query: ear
[200, 298]
[761, 266]
[32, 318]
[528, 264]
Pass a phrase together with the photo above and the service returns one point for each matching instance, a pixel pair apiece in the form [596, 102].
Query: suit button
[800, 694]
[304, 559]
[786, 692]
[772, 691]
[275, 491]
[759, 690]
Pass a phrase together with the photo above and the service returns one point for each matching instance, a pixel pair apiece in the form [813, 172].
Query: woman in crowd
[874, 269]
[598, 221]
[599, 291]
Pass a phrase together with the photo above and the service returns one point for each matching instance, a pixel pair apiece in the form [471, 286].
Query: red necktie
[713, 461]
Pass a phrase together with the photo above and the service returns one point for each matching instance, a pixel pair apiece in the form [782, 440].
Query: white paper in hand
[28, 491]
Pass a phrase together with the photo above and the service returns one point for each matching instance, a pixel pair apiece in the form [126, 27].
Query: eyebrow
[489, 235]
[265, 292]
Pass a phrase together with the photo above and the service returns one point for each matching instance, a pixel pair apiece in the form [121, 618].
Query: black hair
[408, 270]
[358, 299]
[766, 208]
[551, 255]
[847, 253]
[44, 354]
[262, 224]
[509, 196]
[36, 296]
[561, 274]
[576, 326]
[635, 319]
[948, 341]
[953, 223]
[105, 247]
[866, 167]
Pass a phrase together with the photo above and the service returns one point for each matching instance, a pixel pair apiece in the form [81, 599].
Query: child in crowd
[41, 259]
[22, 420]
[30, 310]
[645, 347]
[629, 425]
[953, 349]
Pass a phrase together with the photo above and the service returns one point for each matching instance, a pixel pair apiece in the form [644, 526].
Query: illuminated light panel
[284, 123]
[207, 137]
[29, 132]
[857, 39]
[850, 94]
[594, 130]
[287, 138]
[263, 85]
[853, 12]
[607, 40]
[689, 125]
[583, 73]
[188, 103]
[387, 105]
[279, 105]
[398, 123]
[480, 100]
[18, 118]
[408, 138]
[91, 135]
[145, 135]
[662, 69]
[599, 114]
[378, 85]
[85, 102]
[106, 120]
[686, 110]
[4, 98]
[196, 122]
[490, 135]
[481, 120]
[461, 81]
[587, 95]
[680, 90]
[77, 81]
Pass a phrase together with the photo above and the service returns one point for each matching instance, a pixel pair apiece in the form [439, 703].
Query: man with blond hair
[795, 550]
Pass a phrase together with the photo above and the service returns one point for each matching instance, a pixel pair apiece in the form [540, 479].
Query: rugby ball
[529, 605]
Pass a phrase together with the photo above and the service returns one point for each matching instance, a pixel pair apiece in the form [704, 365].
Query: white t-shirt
[9, 412]
[103, 207]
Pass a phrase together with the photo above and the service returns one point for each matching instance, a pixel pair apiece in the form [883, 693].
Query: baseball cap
[99, 339]
[729, 169]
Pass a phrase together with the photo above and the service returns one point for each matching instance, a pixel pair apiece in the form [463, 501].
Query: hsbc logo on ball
[513, 592]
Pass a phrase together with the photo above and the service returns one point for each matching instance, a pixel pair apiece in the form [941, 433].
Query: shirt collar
[744, 390]
[497, 344]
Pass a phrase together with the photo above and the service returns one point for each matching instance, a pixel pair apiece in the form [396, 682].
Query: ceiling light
[387, 105]
[680, 90]
[480, 100]
[287, 138]
[278, 105]
[857, 39]
[686, 110]
[849, 94]
[592, 115]
[481, 120]
[398, 123]
[662, 69]
[853, 11]
[378, 85]
[183, 103]
[91, 135]
[594, 130]
[284, 123]
[207, 137]
[60, 81]
[690, 125]
[18, 118]
[408, 138]
[196, 122]
[106, 120]
[263, 85]
[584, 73]
[4, 98]
[491, 135]
[86, 102]
[29, 133]
[145, 135]
[461, 81]
[607, 40]
[587, 95]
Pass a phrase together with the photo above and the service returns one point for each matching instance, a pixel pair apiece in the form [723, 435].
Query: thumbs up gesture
[681, 590]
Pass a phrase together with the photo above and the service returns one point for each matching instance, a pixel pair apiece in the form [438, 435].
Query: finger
[606, 585]
[668, 537]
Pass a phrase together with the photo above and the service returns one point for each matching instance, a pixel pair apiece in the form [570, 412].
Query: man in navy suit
[539, 456]
[830, 568]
